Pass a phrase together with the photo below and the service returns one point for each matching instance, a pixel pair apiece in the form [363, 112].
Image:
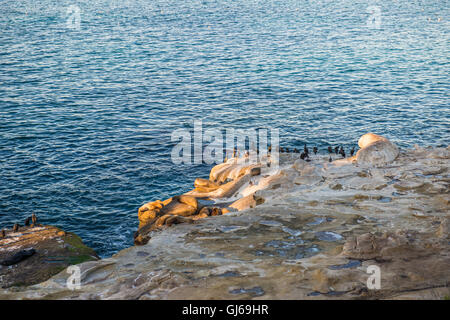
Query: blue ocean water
[86, 113]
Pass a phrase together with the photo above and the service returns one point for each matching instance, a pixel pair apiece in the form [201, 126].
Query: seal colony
[286, 228]
[232, 185]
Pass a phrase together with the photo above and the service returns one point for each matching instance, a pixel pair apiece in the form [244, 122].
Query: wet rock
[350, 264]
[328, 236]
[253, 292]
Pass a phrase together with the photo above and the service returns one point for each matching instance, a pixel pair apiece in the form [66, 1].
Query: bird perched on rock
[352, 151]
[34, 219]
[330, 149]
[27, 221]
[287, 150]
[296, 150]
[270, 149]
[329, 160]
[305, 149]
[336, 149]
[303, 156]
[15, 227]
[281, 149]
[342, 152]
[315, 150]
[3, 233]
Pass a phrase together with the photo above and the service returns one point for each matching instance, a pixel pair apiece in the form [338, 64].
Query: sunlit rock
[375, 150]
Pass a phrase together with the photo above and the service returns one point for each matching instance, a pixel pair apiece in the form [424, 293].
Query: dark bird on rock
[352, 151]
[342, 152]
[33, 218]
[287, 150]
[329, 160]
[281, 149]
[330, 149]
[315, 150]
[336, 149]
[27, 221]
[303, 156]
[3, 233]
[305, 149]
[296, 150]
[15, 227]
[270, 149]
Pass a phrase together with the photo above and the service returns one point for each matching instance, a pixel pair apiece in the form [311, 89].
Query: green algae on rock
[53, 248]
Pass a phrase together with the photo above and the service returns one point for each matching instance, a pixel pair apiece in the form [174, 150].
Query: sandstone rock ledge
[305, 230]
[34, 254]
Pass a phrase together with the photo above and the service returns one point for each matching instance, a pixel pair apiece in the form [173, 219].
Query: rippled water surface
[86, 114]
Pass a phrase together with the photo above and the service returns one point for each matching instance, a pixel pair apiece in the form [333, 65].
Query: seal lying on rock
[141, 236]
[178, 209]
[17, 257]
[183, 205]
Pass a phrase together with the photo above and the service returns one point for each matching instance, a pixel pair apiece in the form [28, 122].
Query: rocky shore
[284, 229]
[32, 254]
